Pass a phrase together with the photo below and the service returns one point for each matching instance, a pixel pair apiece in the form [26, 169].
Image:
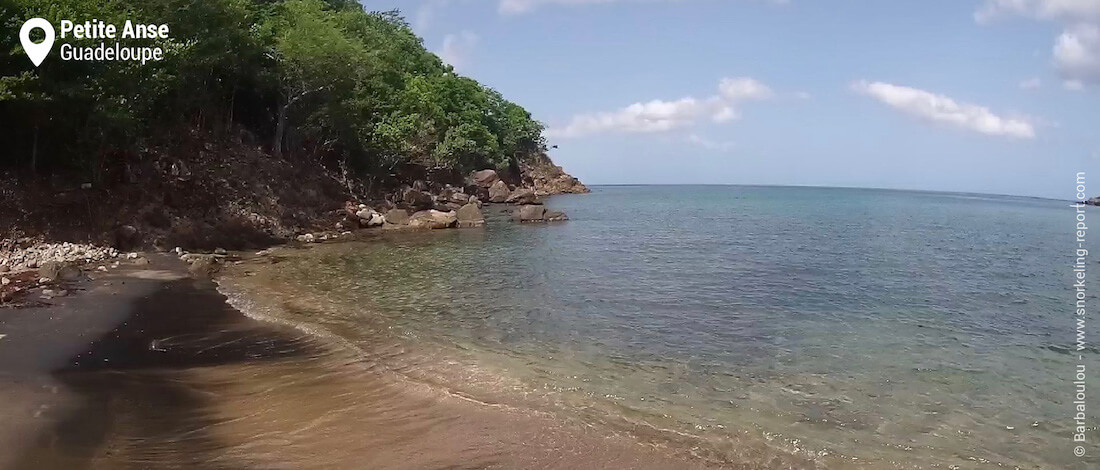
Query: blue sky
[999, 96]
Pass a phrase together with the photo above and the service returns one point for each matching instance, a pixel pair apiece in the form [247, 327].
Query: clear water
[774, 326]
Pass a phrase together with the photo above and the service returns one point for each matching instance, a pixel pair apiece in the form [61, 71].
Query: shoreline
[145, 354]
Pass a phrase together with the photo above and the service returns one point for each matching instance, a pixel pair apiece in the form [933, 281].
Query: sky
[990, 96]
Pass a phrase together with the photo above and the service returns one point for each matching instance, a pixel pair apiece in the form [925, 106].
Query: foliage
[320, 78]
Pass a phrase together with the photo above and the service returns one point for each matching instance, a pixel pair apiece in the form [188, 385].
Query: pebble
[4, 281]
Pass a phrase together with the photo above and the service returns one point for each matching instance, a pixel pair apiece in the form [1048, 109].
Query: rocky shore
[35, 270]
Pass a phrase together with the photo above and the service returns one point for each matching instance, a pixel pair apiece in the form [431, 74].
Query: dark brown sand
[145, 368]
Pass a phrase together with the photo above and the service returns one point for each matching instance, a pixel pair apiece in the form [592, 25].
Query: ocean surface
[763, 327]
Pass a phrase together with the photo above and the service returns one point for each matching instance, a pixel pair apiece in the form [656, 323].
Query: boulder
[59, 271]
[555, 216]
[433, 219]
[126, 237]
[397, 217]
[499, 192]
[530, 213]
[522, 196]
[470, 216]
[458, 198]
[485, 178]
[418, 200]
[376, 220]
[370, 218]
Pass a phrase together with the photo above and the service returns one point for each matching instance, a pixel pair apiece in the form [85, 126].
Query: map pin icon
[36, 51]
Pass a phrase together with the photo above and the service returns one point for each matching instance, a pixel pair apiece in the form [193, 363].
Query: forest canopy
[307, 77]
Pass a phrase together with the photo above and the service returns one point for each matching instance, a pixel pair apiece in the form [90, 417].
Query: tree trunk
[280, 129]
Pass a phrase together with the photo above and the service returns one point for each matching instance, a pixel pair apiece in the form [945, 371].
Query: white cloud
[1031, 83]
[944, 110]
[1076, 51]
[1077, 54]
[1071, 10]
[741, 88]
[660, 116]
[458, 49]
[708, 144]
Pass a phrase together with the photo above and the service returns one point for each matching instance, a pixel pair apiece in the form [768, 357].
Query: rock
[220, 251]
[397, 217]
[126, 237]
[364, 214]
[418, 200]
[376, 220]
[555, 216]
[470, 216]
[433, 219]
[132, 256]
[348, 223]
[101, 269]
[4, 281]
[307, 238]
[485, 178]
[499, 192]
[522, 196]
[204, 267]
[4, 268]
[530, 213]
[59, 271]
[458, 198]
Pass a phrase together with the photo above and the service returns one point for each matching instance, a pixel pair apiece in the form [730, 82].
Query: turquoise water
[792, 326]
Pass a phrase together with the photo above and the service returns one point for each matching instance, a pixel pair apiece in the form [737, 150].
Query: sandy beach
[147, 368]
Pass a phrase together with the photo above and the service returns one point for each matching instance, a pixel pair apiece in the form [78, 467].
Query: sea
[733, 326]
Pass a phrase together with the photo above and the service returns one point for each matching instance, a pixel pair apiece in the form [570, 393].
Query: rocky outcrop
[470, 216]
[547, 179]
[484, 178]
[499, 192]
[433, 220]
[522, 196]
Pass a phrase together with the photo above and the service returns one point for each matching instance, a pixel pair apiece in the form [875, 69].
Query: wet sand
[145, 368]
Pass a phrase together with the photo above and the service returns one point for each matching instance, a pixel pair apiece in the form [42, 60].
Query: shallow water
[756, 326]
